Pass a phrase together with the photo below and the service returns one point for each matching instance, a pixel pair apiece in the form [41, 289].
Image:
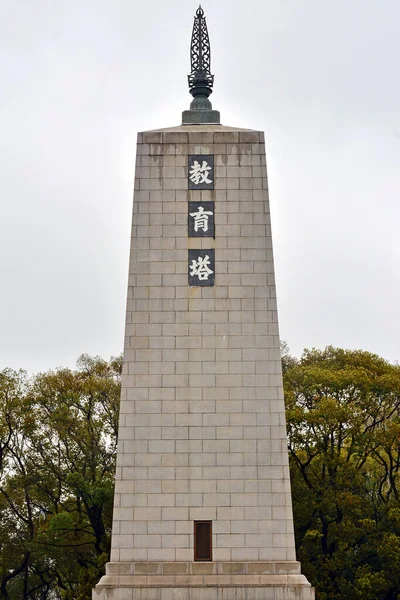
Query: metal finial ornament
[200, 79]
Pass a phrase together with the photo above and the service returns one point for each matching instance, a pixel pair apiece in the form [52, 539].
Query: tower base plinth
[268, 580]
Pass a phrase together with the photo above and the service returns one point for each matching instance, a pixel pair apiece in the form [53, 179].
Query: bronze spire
[200, 79]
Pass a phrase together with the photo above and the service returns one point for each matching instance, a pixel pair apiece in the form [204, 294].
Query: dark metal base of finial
[201, 117]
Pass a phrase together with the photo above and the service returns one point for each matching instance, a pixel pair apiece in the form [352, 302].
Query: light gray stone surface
[202, 432]
[222, 592]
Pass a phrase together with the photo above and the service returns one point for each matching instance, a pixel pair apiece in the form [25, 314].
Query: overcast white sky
[79, 78]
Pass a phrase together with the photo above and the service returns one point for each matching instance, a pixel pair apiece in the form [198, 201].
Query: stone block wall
[202, 432]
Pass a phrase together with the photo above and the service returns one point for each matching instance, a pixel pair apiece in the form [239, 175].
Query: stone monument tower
[202, 507]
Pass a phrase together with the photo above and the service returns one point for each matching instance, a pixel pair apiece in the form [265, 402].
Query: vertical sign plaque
[201, 221]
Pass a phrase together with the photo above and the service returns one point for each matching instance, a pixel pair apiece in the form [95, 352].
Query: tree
[343, 413]
[58, 437]
[288, 361]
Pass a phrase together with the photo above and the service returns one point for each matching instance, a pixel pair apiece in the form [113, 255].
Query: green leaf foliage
[343, 416]
[57, 463]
